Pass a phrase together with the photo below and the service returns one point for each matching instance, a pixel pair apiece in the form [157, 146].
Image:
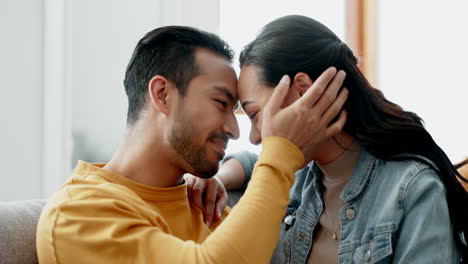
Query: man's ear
[301, 83]
[159, 89]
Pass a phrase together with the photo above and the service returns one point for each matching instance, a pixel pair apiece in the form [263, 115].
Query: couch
[18, 222]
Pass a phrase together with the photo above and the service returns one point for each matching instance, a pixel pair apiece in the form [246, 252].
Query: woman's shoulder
[408, 166]
[413, 175]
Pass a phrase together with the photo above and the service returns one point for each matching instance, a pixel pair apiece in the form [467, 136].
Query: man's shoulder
[96, 186]
[90, 190]
[87, 211]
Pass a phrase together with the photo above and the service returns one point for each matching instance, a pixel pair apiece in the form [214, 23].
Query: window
[422, 66]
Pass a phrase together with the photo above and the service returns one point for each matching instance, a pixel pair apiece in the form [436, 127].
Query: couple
[401, 200]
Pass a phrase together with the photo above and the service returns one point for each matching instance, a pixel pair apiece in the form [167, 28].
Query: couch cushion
[18, 221]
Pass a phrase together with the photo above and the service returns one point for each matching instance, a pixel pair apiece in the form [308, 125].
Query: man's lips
[219, 144]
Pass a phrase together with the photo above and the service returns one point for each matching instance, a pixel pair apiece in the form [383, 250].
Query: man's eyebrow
[245, 103]
[227, 93]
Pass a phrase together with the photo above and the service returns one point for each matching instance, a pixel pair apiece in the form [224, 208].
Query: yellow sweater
[101, 217]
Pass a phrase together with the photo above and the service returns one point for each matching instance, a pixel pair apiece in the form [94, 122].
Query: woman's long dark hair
[293, 44]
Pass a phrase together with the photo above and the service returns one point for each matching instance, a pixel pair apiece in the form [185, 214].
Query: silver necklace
[336, 181]
[334, 230]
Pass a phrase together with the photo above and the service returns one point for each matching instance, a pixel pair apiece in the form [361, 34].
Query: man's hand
[306, 122]
[207, 194]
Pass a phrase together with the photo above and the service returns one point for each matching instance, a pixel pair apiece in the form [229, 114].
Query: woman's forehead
[249, 80]
[250, 88]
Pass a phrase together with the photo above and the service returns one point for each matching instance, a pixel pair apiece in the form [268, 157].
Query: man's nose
[231, 127]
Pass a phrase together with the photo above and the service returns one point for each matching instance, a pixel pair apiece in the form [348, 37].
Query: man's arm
[114, 230]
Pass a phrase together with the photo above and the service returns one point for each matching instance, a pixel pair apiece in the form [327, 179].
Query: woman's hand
[207, 194]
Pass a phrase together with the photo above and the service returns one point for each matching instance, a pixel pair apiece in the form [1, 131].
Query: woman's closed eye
[253, 115]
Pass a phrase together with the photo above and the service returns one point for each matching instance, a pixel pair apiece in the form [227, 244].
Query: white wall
[62, 65]
[21, 89]
[104, 34]
[241, 20]
[422, 63]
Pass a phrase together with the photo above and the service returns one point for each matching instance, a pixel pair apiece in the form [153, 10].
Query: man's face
[204, 119]
[253, 97]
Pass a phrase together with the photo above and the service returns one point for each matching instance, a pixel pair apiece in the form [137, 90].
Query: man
[182, 93]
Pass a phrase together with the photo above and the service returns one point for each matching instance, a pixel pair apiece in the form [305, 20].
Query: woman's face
[253, 96]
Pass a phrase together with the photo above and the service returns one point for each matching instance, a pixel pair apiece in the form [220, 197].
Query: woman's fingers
[221, 203]
[210, 200]
[197, 193]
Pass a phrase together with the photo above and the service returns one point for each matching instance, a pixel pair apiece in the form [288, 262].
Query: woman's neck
[339, 158]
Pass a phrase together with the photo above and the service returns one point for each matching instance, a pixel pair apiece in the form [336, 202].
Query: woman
[380, 191]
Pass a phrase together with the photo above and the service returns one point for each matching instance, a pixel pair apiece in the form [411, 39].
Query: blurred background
[62, 63]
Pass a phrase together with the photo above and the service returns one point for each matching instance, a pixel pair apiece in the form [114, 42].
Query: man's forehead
[217, 73]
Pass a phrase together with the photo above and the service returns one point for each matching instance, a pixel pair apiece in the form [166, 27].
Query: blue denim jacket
[395, 212]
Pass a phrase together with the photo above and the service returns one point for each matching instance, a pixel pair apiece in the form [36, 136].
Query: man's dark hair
[169, 52]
